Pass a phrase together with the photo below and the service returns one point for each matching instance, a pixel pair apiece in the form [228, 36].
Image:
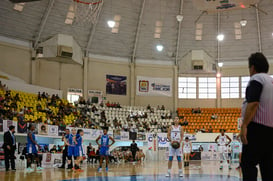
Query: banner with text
[151, 86]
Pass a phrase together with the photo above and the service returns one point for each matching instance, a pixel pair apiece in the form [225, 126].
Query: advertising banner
[95, 133]
[124, 136]
[53, 130]
[116, 84]
[162, 139]
[151, 86]
[95, 96]
[42, 129]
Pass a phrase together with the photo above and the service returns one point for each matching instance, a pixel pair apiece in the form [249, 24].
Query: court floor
[149, 170]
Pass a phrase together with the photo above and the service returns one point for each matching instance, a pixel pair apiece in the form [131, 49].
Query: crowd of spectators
[51, 109]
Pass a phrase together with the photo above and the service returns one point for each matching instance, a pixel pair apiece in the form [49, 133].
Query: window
[244, 81]
[187, 87]
[207, 87]
[229, 87]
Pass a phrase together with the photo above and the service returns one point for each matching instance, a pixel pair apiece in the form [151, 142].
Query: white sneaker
[168, 174]
[29, 169]
[40, 168]
[181, 174]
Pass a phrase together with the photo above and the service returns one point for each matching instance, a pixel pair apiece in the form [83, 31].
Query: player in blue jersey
[104, 147]
[71, 147]
[32, 152]
[79, 151]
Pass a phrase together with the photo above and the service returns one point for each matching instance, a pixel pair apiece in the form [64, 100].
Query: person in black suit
[9, 147]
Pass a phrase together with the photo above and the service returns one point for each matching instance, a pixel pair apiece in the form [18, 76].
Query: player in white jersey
[187, 149]
[223, 141]
[175, 134]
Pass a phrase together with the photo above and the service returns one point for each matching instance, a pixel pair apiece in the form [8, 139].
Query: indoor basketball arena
[136, 90]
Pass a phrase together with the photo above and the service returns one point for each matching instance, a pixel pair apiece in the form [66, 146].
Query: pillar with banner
[155, 147]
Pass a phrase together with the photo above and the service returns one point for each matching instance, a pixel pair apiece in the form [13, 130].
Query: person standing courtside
[134, 149]
[9, 147]
[65, 151]
[257, 128]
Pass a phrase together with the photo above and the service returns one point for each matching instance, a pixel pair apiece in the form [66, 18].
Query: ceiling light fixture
[220, 37]
[159, 48]
[220, 64]
[243, 22]
[111, 23]
[179, 18]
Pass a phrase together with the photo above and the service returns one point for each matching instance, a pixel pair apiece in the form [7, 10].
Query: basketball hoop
[87, 11]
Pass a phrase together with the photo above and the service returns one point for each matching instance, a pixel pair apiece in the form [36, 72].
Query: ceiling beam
[179, 33]
[43, 22]
[258, 28]
[92, 32]
[138, 31]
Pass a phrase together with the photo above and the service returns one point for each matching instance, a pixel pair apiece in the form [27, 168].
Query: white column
[175, 88]
[85, 78]
[131, 88]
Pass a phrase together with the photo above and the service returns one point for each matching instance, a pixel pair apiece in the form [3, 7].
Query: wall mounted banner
[151, 86]
[95, 96]
[116, 84]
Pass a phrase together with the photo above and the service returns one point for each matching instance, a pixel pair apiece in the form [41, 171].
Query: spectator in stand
[214, 116]
[149, 107]
[45, 150]
[39, 96]
[162, 108]
[196, 110]
[53, 149]
[158, 107]
[201, 148]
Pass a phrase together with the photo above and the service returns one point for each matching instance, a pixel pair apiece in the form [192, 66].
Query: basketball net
[87, 11]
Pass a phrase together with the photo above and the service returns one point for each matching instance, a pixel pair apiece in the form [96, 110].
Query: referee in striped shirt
[257, 128]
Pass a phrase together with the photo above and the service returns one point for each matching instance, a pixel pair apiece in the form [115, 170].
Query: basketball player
[79, 151]
[104, 147]
[221, 141]
[32, 151]
[187, 149]
[71, 148]
[175, 134]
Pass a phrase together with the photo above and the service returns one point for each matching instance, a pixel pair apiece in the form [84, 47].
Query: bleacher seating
[226, 118]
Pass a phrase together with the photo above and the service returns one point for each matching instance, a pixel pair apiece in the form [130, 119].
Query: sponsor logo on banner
[95, 133]
[8, 123]
[162, 139]
[143, 86]
[124, 136]
[152, 86]
[87, 134]
[42, 129]
[53, 130]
